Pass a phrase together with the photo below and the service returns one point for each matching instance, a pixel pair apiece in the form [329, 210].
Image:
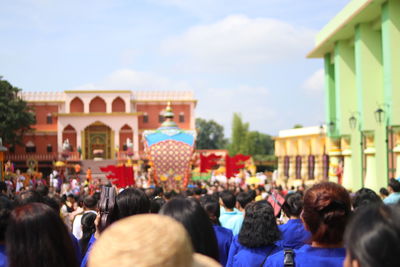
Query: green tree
[210, 135]
[239, 134]
[297, 126]
[15, 115]
[249, 142]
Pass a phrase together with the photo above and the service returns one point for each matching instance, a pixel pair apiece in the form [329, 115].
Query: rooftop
[135, 95]
[342, 26]
[313, 130]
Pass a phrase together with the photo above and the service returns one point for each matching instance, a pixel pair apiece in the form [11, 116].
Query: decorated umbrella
[170, 150]
[59, 164]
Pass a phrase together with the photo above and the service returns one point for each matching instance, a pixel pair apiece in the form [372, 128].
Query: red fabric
[234, 164]
[276, 201]
[208, 162]
[121, 176]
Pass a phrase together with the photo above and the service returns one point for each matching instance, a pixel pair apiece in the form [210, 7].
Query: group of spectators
[324, 225]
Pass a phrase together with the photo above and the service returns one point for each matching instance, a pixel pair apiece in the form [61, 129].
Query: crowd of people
[204, 225]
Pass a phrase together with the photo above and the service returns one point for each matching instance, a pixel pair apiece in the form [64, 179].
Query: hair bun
[333, 211]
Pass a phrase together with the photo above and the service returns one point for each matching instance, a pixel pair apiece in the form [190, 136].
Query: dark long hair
[88, 229]
[211, 205]
[196, 221]
[130, 202]
[373, 236]
[259, 225]
[37, 237]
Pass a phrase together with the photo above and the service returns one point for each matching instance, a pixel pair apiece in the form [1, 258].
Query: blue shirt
[77, 248]
[232, 220]
[393, 198]
[310, 256]
[293, 234]
[241, 256]
[3, 256]
[89, 247]
[224, 240]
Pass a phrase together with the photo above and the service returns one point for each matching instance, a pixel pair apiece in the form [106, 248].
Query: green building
[361, 52]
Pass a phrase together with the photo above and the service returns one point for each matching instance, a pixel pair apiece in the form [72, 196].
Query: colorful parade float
[170, 150]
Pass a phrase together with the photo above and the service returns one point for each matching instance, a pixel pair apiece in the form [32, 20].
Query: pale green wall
[369, 73]
[391, 59]
[330, 94]
[345, 84]
[346, 99]
[362, 76]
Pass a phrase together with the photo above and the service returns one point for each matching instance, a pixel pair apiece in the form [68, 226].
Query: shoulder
[275, 260]
[222, 230]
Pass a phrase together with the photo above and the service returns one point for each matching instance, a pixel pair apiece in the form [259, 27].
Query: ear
[355, 263]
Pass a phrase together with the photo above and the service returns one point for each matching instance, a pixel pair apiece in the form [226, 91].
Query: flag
[234, 164]
[208, 162]
[121, 176]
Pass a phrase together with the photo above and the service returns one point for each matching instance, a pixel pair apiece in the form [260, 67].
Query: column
[369, 80]
[396, 151]
[330, 93]
[391, 53]
[136, 137]
[318, 168]
[347, 179]
[115, 143]
[371, 180]
[304, 168]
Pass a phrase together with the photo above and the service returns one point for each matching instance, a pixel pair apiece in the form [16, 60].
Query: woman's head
[365, 197]
[130, 202]
[36, 236]
[293, 205]
[372, 237]
[88, 229]
[325, 212]
[259, 225]
[211, 205]
[196, 221]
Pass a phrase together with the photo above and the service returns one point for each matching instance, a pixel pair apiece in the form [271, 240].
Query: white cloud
[315, 83]
[128, 79]
[240, 42]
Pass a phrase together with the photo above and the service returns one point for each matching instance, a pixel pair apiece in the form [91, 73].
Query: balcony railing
[51, 156]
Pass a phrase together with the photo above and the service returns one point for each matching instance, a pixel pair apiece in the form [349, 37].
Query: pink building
[108, 121]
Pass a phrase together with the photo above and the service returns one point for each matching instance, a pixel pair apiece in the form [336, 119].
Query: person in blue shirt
[372, 238]
[194, 218]
[394, 192]
[293, 233]
[129, 202]
[224, 236]
[230, 218]
[257, 237]
[5, 210]
[326, 210]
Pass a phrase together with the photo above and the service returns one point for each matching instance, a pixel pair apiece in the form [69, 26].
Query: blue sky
[237, 56]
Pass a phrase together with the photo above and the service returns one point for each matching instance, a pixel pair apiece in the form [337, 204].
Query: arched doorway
[125, 133]
[69, 133]
[98, 141]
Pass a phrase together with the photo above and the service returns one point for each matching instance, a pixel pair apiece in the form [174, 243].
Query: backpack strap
[288, 257]
[266, 257]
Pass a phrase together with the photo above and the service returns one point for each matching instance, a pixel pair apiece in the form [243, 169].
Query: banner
[234, 164]
[208, 162]
[121, 176]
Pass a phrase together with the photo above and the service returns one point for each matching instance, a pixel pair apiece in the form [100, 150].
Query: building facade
[302, 156]
[109, 123]
[361, 52]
